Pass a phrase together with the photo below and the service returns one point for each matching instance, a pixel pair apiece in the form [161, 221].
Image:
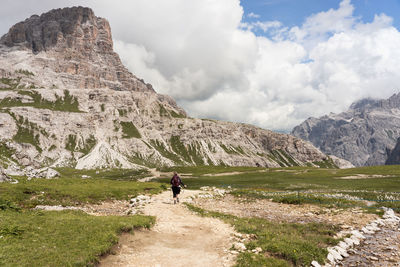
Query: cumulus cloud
[217, 65]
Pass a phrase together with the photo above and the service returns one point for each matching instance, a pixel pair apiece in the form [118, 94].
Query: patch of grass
[138, 159]
[160, 147]
[66, 103]
[6, 154]
[177, 115]
[328, 164]
[70, 144]
[129, 130]
[28, 132]
[201, 170]
[122, 112]
[61, 238]
[25, 72]
[89, 143]
[289, 243]
[102, 107]
[300, 178]
[163, 112]
[228, 150]
[11, 83]
[189, 153]
[70, 189]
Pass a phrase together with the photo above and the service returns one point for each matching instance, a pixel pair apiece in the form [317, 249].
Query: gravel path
[179, 238]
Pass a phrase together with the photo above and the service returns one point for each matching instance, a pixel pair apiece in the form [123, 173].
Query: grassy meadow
[296, 185]
[66, 238]
[72, 238]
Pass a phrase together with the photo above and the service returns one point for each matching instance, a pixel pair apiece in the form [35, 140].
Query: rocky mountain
[365, 134]
[394, 156]
[67, 100]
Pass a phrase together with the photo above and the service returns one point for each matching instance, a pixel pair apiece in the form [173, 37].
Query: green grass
[89, 143]
[71, 189]
[287, 244]
[11, 83]
[60, 238]
[28, 132]
[177, 115]
[201, 170]
[25, 72]
[129, 130]
[160, 147]
[5, 154]
[311, 183]
[66, 103]
[298, 178]
[71, 143]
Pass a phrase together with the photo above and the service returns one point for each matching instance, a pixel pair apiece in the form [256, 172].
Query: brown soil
[279, 212]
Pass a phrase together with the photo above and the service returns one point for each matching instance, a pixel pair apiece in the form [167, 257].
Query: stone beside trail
[179, 238]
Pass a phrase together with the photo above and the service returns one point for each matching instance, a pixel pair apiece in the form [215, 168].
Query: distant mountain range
[366, 134]
[67, 100]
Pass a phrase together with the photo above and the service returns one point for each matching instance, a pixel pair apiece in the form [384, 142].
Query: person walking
[176, 183]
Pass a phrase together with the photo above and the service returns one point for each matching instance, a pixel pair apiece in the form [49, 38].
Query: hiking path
[179, 238]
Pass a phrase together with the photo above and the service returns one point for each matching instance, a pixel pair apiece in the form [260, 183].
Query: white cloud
[203, 54]
[253, 15]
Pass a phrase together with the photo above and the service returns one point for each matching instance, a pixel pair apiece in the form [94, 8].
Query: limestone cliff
[364, 135]
[66, 100]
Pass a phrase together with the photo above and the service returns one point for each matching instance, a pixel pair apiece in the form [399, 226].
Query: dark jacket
[179, 180]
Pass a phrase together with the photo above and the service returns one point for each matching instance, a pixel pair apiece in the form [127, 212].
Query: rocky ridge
[365, 134]
[67, 100]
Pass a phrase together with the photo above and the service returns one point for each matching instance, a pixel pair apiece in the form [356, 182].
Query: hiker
[176, 183]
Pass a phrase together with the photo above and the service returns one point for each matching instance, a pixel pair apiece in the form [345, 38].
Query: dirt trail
[179, 238]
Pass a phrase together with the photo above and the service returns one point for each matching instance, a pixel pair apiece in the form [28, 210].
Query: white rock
[343, 245]
[357, 234]
[336, 255]
[331, 258]
[239, 246]
[315, 264]
[356, 241]
[342, 251]
[367, 231]
[380, 222]
[349, 241]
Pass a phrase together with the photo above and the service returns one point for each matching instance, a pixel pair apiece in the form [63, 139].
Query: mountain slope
[67, 100]
[364, 135]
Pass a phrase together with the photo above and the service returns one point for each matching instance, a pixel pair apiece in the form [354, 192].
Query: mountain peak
[65, 27]
[75, 43]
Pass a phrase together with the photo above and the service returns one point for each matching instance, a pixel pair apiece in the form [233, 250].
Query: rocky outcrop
[66, 100]
[3, 176]
[76, 45]
[364, 135]
[394, 156]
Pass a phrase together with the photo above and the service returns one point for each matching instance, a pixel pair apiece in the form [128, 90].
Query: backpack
[176, 181]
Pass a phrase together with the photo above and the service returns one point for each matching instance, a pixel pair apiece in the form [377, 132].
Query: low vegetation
[129, 130]
[66, 238]
[66, 103]
[71, 190]
[297, 185]
[60, 238]
[284, 244]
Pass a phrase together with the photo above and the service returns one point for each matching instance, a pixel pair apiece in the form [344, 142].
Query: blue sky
[294, 12]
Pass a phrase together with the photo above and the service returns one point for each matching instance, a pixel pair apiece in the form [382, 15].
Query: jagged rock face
[394, 156]
[88, 124]
[363, 135]
[75, 43]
